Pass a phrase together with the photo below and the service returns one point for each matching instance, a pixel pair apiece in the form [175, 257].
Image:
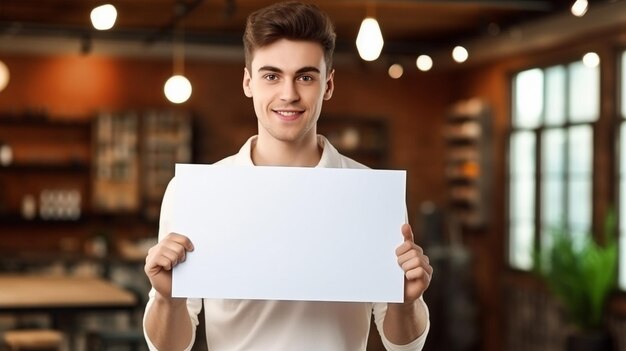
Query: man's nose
[289, 92]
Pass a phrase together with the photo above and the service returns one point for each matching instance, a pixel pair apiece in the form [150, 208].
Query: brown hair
[289, 20]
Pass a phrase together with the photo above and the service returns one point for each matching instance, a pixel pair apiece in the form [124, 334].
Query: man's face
[287, 82]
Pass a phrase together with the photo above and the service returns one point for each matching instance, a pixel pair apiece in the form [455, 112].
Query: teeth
[287, 113]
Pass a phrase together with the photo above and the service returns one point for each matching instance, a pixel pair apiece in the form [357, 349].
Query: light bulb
[591, 59]
[460, 54]
[395, 71]
[579, 8]
[177, 89]
[6, 155]
[4, 75]
[369, 41]
[103, 17]
[424, 63]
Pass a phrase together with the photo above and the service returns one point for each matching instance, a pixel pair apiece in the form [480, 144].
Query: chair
[33, 340]
[131, 339]
[102, 340]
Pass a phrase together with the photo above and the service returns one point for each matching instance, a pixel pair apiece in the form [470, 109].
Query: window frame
[539, 133]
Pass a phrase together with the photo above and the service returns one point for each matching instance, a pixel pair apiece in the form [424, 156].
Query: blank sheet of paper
[289, 233]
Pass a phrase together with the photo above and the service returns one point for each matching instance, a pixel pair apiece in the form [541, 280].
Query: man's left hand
[416, 266]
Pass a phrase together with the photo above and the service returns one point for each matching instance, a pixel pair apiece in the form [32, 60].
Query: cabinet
[167, 140]
[468, 162]
[113, 164]
[135, 155]
[45, 169]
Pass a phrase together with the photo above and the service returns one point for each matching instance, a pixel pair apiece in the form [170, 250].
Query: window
[551, 155]
[622, 177]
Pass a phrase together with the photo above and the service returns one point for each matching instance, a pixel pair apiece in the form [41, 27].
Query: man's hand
[162, 257]
[416, 266]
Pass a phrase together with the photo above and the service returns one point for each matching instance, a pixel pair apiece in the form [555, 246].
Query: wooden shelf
[468, 139]
[78, 166]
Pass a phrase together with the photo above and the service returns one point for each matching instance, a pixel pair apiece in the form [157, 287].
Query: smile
[288, 115]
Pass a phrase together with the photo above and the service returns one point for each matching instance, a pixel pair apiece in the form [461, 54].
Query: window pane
[580, 149]
[521, 244]
[579, 206]
[522, 156]
[528, 102]
[584, 93]
[622, 195]
[623, 103]
[552, 201]
[622, 231]
[522, 202]
[552, 178]
[555, 95]
[553, 151]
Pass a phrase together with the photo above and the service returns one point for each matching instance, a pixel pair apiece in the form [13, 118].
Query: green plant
[581, 273]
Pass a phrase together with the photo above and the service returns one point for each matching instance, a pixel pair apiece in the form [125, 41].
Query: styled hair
[289, 20]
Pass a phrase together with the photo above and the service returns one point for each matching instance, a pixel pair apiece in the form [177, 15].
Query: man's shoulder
[347, 162]
[230, 160]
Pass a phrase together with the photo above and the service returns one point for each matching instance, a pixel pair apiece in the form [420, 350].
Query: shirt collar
[330, 156]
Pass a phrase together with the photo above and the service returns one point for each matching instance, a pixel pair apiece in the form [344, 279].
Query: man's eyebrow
[301, 70]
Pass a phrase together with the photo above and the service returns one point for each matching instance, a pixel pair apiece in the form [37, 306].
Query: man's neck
[272, 152]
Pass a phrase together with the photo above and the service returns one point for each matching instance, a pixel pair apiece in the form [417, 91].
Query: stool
[33, 340]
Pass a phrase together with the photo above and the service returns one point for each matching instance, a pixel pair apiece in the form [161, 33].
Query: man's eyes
[306, 78]
[302, 78]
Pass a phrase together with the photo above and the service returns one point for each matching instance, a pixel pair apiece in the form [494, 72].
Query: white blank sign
[289, 233]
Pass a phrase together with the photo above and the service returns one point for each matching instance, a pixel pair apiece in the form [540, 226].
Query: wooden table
[21, 293]
[62, 297]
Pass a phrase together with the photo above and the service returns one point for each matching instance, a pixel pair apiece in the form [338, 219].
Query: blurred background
[507, 115]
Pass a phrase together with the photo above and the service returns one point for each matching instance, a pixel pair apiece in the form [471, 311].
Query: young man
[288, 74]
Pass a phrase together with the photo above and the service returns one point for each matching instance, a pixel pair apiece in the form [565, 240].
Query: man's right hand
[167, 253]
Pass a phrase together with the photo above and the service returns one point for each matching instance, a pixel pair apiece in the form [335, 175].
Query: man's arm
[405, 322]
[167, 323]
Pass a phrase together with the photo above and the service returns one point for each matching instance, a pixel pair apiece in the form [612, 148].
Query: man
[288, 75]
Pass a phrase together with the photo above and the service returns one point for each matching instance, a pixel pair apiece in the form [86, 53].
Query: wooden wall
[77, 87]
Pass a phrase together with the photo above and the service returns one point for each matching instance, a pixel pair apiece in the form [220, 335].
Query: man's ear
[330, 85]
[246, 83]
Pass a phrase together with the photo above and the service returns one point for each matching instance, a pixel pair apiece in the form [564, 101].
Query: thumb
[407, 232]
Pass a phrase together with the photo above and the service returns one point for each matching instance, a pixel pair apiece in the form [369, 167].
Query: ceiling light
[4, 75]
[579, 8]
[591, 59]
[6, 154]
[369, 41]
[103, 17]
[460, 54]
[177, 89]
[424, 63]
[395, 71]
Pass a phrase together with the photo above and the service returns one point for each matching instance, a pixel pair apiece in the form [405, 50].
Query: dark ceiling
[407, 25]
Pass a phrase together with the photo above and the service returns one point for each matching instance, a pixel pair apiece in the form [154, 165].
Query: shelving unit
[46, 157]
[364, 140]
[167, 140]
[92, 172]
[468, 162]
[116, 170]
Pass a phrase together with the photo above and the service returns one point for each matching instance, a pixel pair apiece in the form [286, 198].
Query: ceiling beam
[526, 5]
[181, 10]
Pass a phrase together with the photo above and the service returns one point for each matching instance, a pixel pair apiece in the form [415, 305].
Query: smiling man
[289, 48]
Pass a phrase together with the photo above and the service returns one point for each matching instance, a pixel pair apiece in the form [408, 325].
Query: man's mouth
[288, 115]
